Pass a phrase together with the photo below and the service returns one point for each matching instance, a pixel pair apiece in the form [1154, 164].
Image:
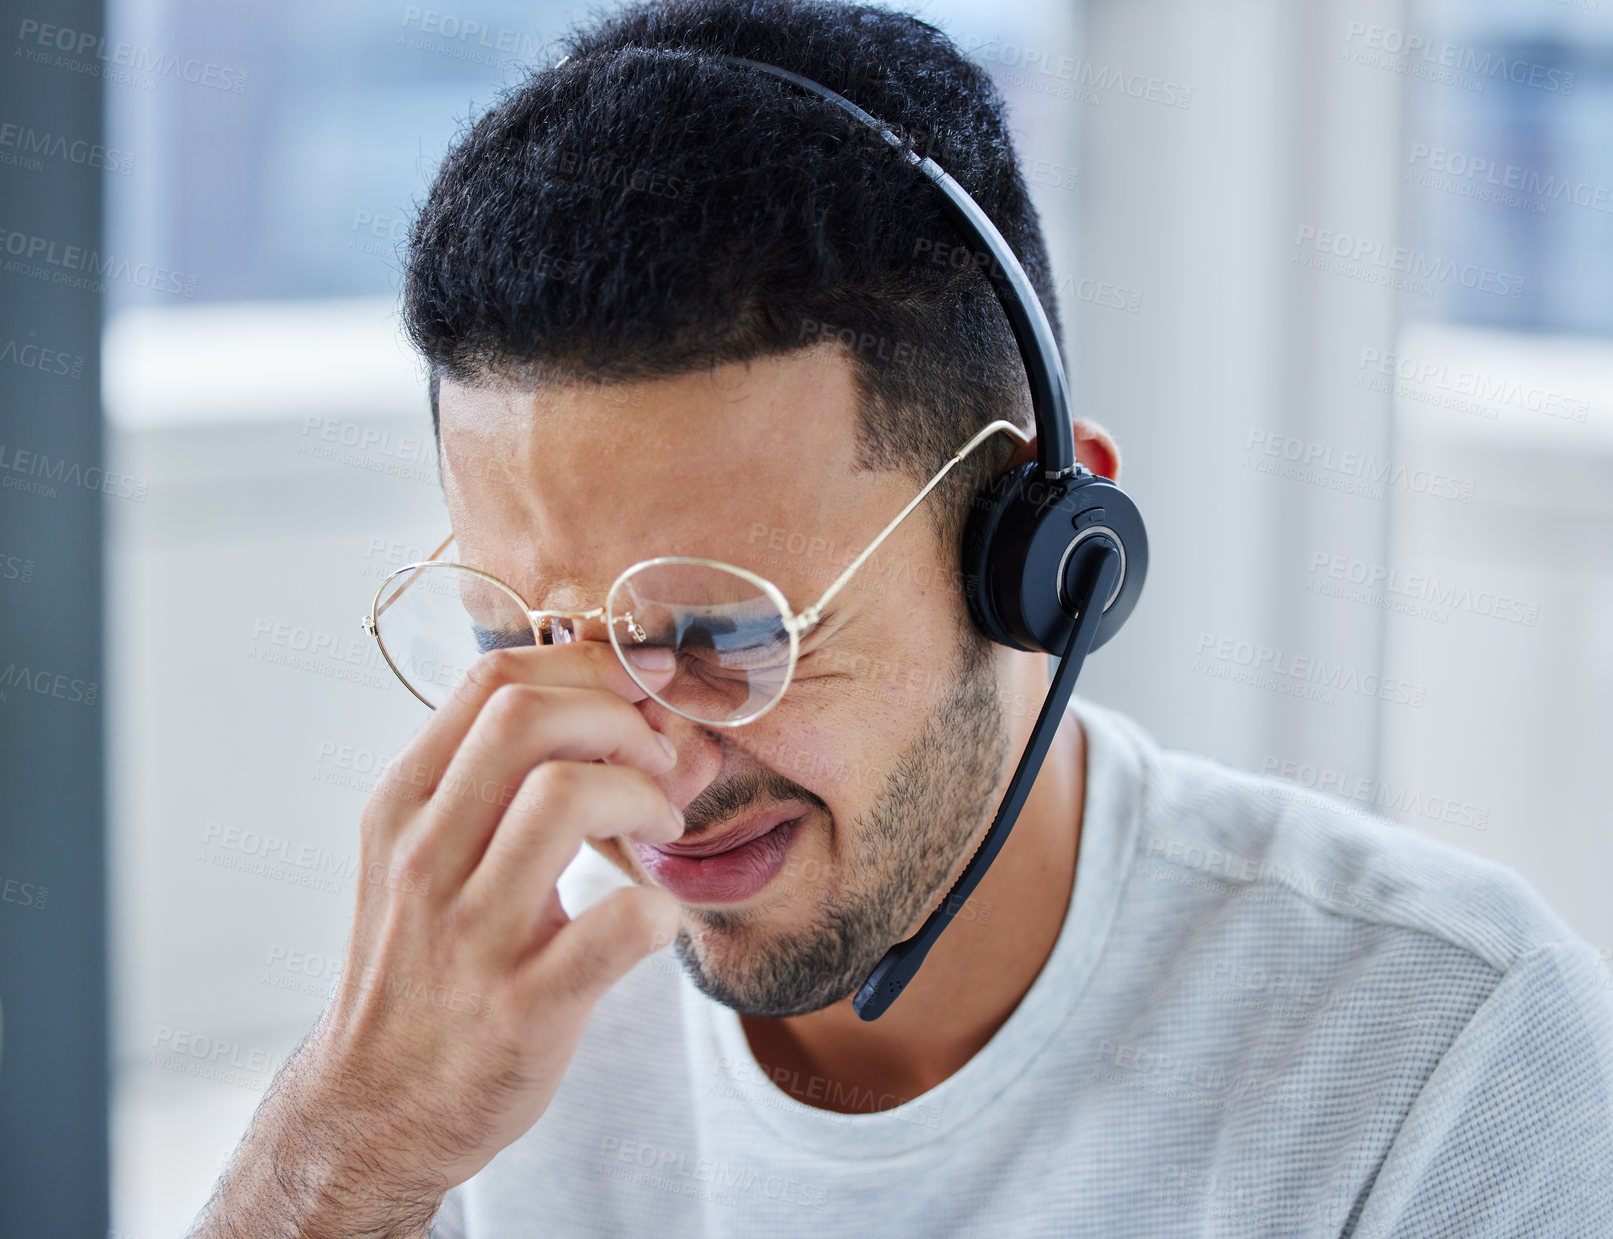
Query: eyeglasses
[732, 632]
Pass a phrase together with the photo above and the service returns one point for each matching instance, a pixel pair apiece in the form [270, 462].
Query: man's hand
[466, 987]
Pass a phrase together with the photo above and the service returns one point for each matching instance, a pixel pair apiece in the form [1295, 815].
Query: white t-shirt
[1266, 1014]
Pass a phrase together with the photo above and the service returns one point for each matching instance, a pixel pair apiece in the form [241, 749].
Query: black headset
[1045, 541]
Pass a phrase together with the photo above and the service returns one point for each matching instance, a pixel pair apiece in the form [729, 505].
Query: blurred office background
[1335, 274]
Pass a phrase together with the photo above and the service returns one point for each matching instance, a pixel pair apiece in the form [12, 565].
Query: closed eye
[502, 638]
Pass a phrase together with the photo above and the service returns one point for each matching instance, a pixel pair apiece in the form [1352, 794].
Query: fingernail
[652, 658]
[671, 749]
[677, 816]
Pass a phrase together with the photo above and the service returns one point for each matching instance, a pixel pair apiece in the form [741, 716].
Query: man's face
[891, 738]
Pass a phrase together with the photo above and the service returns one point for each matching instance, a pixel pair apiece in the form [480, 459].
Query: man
[672, 308]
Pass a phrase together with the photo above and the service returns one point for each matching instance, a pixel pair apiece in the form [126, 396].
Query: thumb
[595, 950]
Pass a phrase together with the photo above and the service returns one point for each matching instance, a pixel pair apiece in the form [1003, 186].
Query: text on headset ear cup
[1017, 548]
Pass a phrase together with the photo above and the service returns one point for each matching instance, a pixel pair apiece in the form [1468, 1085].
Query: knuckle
[460, 924]
[404, 783]
[416, 852]
[554, 785]
[374, 823]
[491, 670]
[512, 707]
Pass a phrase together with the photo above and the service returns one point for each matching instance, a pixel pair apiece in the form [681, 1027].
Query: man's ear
[1094, 448]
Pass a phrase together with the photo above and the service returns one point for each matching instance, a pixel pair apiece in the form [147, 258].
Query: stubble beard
[906, 848]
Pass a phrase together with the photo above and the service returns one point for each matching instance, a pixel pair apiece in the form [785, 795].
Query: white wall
[1201, 209]
[272, 513]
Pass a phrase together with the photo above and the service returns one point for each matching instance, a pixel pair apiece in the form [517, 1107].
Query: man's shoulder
[1414, 1016]
[1265, 841]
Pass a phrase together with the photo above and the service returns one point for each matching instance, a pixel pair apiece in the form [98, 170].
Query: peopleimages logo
[24, 147]
[45, 683]
[675, 1170]
[32, 356]
[1351, 472]
[66, 472]
[1382, 586]
[1384, 798]
[1072, 78]
[1284, 670]
[1400, 267]
[461, 38]
[74, 266]
[212, 1058]
[598, 173]
[1442, 168]
[1472, 68]
[84, 51]
[1436, 381]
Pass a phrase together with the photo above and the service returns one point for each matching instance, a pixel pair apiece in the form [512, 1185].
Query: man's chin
[732, 954]
[766, 979]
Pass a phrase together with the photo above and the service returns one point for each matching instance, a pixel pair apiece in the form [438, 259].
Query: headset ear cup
[1017, 546]
[984, 556]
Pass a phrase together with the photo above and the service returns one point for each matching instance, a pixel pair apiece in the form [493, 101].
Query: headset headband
[1050, 394]
[1092, 568]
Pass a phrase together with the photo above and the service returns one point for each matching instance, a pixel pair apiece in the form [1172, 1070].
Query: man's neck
[973, 978]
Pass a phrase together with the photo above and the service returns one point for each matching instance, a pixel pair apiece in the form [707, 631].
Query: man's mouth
[730, 865]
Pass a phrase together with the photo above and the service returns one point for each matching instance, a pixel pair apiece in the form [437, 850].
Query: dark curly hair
[644, 209]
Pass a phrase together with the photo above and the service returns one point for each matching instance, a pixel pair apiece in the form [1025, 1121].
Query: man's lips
[729, 865]
[737, 835]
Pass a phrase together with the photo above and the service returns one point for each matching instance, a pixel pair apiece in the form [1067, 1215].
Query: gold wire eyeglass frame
[796, 623]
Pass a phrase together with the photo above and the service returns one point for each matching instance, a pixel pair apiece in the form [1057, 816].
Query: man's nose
[700, 755]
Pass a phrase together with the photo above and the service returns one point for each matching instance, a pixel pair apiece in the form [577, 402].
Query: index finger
[572, 664]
